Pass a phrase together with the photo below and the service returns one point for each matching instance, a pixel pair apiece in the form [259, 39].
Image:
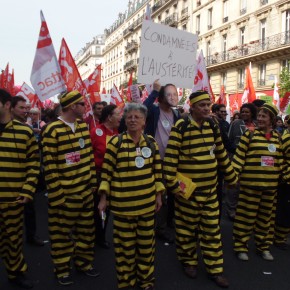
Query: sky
[77, 21]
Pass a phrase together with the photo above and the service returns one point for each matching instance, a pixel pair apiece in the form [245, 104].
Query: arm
[149, 102]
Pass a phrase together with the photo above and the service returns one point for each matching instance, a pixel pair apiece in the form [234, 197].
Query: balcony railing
[261, 82]
[131, 64]
[243, 11]
[131, 46]
[171, 20]
[253, 47]
[184, 13]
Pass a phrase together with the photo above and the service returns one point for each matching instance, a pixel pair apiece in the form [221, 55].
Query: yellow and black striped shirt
[19, 162]
[259, 161]
[286, 154]
[196, 154]
[131, 190]
[68, 161]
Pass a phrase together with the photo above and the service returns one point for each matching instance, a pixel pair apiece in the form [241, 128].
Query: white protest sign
[135, 94]
[167, 54]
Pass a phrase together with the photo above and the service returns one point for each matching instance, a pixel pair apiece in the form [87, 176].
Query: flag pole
[88, 96]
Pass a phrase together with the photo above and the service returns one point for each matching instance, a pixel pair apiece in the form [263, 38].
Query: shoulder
[22, 127]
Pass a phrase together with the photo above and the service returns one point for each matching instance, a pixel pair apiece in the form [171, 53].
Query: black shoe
[22, 282]
[92, 272]
[35, 241]
[65, 280]
[104, 244]
[220, 281]
[281, 245]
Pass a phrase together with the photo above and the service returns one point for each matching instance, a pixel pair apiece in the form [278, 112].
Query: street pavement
[256, 274]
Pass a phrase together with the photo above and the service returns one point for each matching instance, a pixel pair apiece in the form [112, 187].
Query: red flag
[130, 83]
[284, 101]
[4, 78]
[94, 80]
[222, 98]
[249, 93]
[116, 98]
[69, 70]
[235, 102]
[10, 83]
[29, 95]
[45, 75]
[104, 91]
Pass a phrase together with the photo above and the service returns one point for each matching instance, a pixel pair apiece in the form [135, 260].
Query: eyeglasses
[81, 103]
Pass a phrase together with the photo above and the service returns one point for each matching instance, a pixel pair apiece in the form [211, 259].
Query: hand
[158, 203]
[102, 204]
[156, 85]
[22, 199]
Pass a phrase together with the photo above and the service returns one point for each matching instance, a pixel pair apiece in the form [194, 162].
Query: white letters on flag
[116, 98]
[45, 75]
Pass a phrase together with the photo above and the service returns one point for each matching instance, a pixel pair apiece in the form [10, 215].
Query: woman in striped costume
[131, 179]
[258, 161]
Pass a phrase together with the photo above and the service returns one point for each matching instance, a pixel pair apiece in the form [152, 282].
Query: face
[201, 110]
[79, 109]
[222, 113]
[98, 111]
[279, 123]
[20, 111]
[246, 114]
[115, 118]
[237, 116]
[34, 117]
[264, 120]
[171, 96]
[285, 122]
[135, 121]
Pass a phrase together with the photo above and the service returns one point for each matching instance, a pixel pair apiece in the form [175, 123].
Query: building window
[243, 7]
[226, 15]
[242, 36]
[209, 19]
[263, 33]
[208, 49]
[262, 75]
[285, 64]
[197, 24]
[241, 78]
[224, 79]
[224, 47]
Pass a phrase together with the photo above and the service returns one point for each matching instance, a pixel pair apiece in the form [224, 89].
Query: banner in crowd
[29, 95]
[45, 76]
[167, 54]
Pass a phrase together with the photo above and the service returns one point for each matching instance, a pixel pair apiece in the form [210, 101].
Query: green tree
[285, 80]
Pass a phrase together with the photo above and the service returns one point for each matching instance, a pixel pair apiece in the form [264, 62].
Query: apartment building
[232, 34]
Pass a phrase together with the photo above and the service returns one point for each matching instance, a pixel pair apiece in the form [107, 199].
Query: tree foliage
[285, 80]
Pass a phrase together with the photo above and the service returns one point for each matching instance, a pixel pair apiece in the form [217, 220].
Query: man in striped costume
[132, 179]
[19, 171]
[196, 150]
[70, 178]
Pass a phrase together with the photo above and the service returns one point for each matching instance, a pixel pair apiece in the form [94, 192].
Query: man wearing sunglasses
[70, 178]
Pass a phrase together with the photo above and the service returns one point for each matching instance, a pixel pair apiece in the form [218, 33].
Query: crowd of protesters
[131, 164]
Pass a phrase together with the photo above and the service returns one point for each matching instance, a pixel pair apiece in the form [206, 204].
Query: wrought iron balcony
[184, 13]
[261, 82]
[156, 6]
[131, 64]
[258, 46]
[131, 46]
[171, 20]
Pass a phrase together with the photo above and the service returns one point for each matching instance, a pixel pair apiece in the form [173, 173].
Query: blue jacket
[154, 113]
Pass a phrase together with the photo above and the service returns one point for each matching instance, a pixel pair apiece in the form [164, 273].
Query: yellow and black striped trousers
[198, 218]
[281, 234]
[255, 213]
[134, 243]
[11, 240]
[72, 234]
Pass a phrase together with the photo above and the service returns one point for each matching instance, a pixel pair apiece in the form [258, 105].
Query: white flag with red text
[116, 98]
[29, 95]
[201, 81]
[45, 75]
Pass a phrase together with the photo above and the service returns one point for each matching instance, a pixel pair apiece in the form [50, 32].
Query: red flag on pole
[249, 92]
[284, 101]
[94, 80]
[222, 98]
[4, 78]
[130, 83]
[10, 83]
[116, 98]
[29, 95]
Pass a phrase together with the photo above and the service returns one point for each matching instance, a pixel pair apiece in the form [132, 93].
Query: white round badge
[82, 142]
[99, 132]
[272, 148]
[146, 152]
[165, 123]
[139, 161]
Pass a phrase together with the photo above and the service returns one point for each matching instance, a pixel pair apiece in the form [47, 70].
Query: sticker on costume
[272, 148]
[82, 142]
[72, 157]
[138, 151]
[165, 123]
[146, 152]
[139, 161]
[99, 132]
[267, 161]
[211, 151]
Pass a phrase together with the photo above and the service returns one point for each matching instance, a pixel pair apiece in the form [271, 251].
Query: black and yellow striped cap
[198, 96]
[70, 98]
[271, 108]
